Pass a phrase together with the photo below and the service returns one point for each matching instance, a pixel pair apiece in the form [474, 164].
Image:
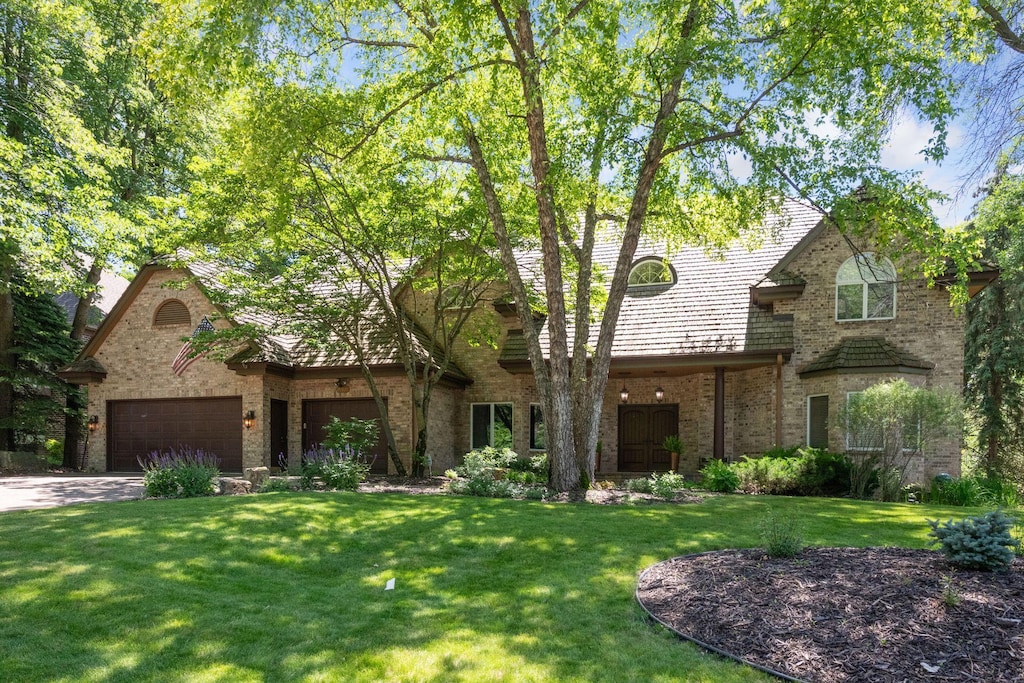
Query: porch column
[719, 448]
[778, 401]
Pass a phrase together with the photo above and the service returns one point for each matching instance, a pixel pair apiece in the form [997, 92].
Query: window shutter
[817, 422]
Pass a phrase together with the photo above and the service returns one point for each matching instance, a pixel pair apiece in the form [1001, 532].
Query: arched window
[172, 312]
[649, 272]
[866, 289]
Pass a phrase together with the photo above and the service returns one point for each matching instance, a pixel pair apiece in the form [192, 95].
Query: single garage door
[317, 413]
[137, 428]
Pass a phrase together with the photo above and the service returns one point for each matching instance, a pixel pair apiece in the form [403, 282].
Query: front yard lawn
[291, 586]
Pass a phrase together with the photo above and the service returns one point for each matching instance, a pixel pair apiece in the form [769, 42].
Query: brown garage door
[317, 413]
[137, 428]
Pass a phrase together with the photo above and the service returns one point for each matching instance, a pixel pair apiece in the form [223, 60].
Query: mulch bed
[846, 614]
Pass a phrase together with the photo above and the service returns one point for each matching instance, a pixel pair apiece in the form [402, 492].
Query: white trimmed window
[650, 272]
[866, 289]
[817, 421]
[490, 424]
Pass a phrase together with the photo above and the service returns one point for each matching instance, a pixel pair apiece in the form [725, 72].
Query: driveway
[25, 493]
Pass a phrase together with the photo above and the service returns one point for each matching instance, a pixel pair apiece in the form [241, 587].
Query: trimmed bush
[182, 473]
[981, 542]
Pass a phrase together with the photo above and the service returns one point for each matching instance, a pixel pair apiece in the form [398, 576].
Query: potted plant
[674, 445]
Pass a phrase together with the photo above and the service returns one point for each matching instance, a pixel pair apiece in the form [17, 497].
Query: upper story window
[651, 271]
[866, 289]
[172, 312]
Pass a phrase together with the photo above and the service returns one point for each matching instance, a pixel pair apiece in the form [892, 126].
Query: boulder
[234, 487]
[256, 475]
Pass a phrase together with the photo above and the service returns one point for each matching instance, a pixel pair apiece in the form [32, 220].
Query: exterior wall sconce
[343, 385]
[93, 423]
[624, 394]
[659, 394]
[249, 419]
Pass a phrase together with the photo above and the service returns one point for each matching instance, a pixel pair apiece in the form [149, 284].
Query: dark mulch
[847, 614]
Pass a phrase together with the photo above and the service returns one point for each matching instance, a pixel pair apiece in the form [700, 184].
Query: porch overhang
[677, 365]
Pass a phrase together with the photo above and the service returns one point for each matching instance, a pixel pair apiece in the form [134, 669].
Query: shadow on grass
[291, 586]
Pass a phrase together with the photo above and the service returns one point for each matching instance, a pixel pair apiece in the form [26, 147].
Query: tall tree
[994, 350]
[625, 118]
[89, 143]
[367, 269]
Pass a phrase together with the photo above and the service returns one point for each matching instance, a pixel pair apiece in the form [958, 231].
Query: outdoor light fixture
[249, 419]
[94, 423]
[343, 384]
[659, 394]
[624, 394]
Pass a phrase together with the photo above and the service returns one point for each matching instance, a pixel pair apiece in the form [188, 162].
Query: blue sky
[903, 153]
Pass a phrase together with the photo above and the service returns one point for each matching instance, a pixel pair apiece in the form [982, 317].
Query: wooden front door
[642, 429]
[317, 413]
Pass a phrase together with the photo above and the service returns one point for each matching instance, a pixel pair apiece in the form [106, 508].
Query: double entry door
[642, 429]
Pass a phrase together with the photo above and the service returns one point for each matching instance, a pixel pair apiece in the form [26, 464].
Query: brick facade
[138, 356]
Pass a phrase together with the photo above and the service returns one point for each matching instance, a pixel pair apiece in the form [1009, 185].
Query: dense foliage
[549, 121]
[41, 346]
[794, 472]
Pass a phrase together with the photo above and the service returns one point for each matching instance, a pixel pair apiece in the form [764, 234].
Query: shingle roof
[861, 354]
[708, 309]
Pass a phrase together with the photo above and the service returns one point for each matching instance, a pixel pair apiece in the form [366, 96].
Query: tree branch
[1003, 29]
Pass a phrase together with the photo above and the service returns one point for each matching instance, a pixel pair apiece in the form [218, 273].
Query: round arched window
[651, 272]
[866, 288]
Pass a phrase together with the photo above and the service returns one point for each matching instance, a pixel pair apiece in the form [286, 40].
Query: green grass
[288, 586]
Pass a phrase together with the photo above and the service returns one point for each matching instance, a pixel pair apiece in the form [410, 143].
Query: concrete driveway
[47, 491]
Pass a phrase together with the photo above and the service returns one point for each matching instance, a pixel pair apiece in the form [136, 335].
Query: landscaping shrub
[476, 475]
[666, 484]
[184, 473]
[272, 484]
[780, 535]
[980, 542]
[973, 491]
[794, 472]
[54, 452]
[717, 476]
[336, 468]
[486, 460]
[639, 485]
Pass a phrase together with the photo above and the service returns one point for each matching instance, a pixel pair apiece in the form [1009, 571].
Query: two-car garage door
[136, 428]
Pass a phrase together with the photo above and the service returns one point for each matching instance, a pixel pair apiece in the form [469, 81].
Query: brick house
[734, 352]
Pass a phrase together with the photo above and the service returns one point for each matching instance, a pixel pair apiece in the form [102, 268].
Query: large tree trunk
[75, 402]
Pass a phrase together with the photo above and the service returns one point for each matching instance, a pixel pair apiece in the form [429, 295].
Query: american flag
[182, 361]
